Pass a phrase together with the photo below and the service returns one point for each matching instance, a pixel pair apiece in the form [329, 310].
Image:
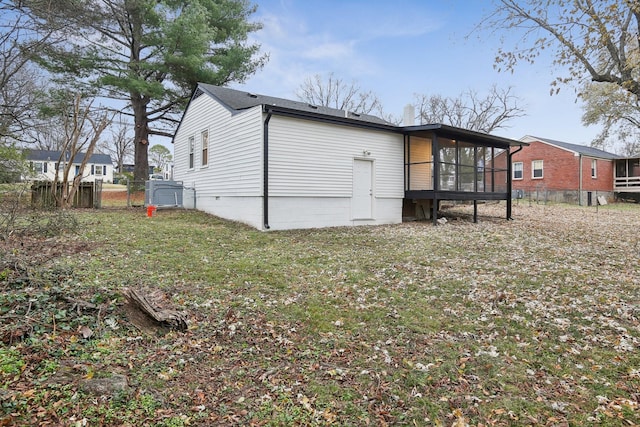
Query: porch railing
[460, 178]
[627, 183]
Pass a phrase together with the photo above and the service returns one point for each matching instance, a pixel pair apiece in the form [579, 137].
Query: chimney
[409, 115]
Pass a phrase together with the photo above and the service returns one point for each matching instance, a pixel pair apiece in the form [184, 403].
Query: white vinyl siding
[234, 150]
[315, 159]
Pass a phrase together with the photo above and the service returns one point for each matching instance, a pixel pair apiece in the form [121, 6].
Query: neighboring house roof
[241, 100]
[54, 156]
[580, 149]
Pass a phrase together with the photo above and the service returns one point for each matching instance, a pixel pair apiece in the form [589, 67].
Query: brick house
[563, 172]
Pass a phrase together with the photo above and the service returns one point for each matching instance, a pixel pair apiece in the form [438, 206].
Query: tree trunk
[141, 140]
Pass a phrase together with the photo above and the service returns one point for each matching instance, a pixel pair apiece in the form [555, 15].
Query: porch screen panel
[466, 166]
[499, 171]
[448, 164]
[481, 161]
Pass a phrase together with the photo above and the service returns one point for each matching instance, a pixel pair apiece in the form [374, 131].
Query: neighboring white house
[279, 164]
[45, 163]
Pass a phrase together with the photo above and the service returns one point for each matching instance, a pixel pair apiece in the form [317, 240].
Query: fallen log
[172, 318]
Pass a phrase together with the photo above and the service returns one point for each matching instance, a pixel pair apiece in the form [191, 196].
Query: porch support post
[407, 159]
[475, 211]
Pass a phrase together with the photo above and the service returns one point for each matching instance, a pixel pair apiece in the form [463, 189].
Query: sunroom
[447, 163]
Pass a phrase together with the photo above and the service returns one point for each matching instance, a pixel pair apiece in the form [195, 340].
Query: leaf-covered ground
[534, 321]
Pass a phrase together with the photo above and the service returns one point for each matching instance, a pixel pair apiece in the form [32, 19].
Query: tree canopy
[598, 39]
[589, 41]
[618, 111]
[147, 54]
[160, 156]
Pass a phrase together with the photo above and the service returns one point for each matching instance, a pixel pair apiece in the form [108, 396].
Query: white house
[280, 164]
[45, 163]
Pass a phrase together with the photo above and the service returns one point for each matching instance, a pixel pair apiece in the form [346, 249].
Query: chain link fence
[541, 194]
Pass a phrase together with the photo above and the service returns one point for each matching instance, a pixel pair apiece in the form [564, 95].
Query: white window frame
[191, 147]
[534, 169]
[98, 170]
[204, 148]
[38, 167]
[521, 170]
[594, 168]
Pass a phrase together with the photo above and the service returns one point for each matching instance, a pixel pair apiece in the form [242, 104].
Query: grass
[532, 321]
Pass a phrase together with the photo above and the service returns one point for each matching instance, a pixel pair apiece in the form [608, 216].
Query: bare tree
[120, 146]
[20, 81]
[83, 130]
[334, 92]
[469, 110]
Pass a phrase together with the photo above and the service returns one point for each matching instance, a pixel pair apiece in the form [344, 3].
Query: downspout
[580, 178]
[510, 180]
[265, 170]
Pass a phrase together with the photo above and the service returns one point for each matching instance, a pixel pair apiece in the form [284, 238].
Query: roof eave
[290, 112]
[460, 133]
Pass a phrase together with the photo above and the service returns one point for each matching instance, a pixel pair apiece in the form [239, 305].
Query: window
[594, 168]
[205, 147]
[536, 169]
[98, 170]
[517, 170]
[37, 167]
[191, 148]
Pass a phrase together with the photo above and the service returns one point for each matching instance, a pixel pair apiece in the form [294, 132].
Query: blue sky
[402, 47]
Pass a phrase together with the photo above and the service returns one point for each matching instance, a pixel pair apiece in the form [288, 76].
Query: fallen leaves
[532, 321]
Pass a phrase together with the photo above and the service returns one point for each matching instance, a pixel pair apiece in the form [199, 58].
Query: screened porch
[627, 178]
[447, 163]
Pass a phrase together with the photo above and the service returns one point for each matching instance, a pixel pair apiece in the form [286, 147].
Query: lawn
[527, 322]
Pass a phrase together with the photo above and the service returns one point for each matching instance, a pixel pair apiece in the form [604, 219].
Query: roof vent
[347, 113]
[251, 95]
[315, 107]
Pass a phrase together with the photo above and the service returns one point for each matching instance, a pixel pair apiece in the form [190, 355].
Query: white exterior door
[362, 196]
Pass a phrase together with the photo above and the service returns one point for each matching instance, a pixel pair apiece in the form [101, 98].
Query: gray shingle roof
[53, 156]
[242, 100]
[581, 149]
